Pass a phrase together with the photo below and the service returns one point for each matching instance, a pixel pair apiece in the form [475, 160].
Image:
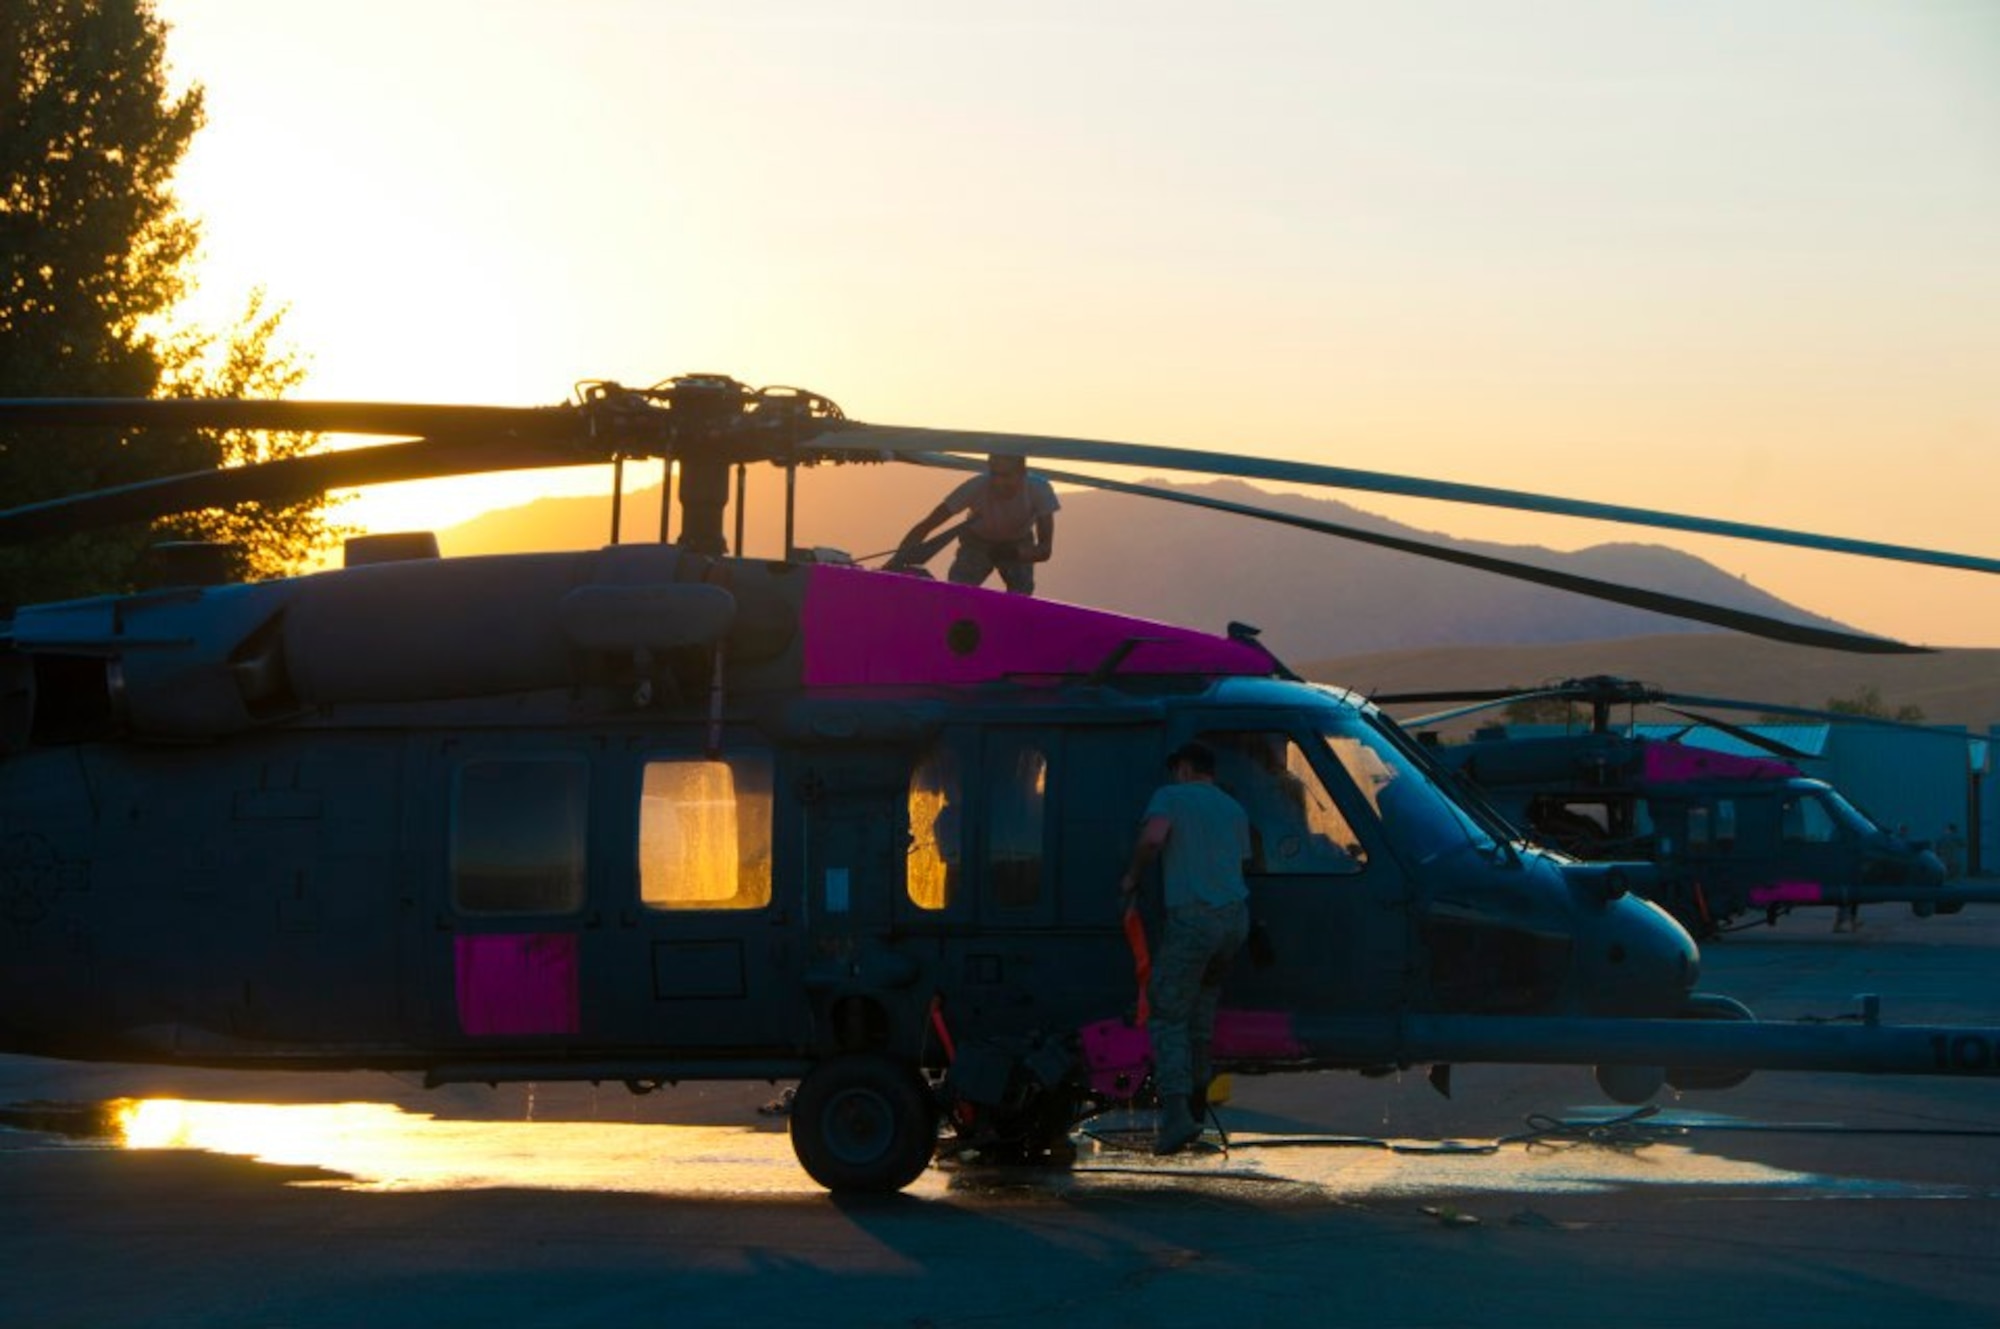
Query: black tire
[864, 1124]
[1710, 1006]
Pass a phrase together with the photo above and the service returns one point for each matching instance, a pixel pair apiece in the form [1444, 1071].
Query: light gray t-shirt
[1203, 859]
[1003, 519]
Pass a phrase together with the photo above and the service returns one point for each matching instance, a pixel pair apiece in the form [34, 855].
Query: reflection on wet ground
[379, 1147]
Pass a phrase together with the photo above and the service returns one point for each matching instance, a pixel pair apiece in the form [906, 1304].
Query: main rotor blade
[1491, 703]
[1603, 690]
[1776, 747]
[1828, 717]
[1658, 602]
[1468, 694]
[283, 481]
[899, 439]
[401, 419]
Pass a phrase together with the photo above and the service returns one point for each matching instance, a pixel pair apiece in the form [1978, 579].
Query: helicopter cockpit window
[705, 833]
[1591, 828]
[1806, 821]
[1020, 785]
[1295, 827]
[936, 827]
[518, 835]
[1422, 823]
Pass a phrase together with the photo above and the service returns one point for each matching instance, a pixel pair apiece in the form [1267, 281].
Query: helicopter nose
[1637, 961]
[1929, 869]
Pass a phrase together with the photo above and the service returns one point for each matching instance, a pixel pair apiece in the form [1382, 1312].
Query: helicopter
[1732, 834]
[657, 812]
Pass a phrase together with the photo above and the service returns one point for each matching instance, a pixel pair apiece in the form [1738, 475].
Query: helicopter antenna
[1251, 636]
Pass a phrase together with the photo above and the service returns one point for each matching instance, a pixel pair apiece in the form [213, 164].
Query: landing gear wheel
[863, 1123]
[1035, 1136]
[1710, 1006]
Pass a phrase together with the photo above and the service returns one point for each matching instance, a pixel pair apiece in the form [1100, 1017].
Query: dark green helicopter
[655, 812]
[1732, 834]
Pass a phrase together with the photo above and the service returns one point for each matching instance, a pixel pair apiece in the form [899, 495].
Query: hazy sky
[1734, 257]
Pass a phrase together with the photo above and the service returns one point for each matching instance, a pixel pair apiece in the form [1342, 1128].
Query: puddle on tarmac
[379, 1147]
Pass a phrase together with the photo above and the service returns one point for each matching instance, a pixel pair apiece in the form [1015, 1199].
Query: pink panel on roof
[1672, 763]
[517, 983]
[872, 628]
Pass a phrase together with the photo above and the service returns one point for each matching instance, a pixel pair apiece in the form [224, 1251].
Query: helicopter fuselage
[1730, 834]
[636, 816]
[511, 893]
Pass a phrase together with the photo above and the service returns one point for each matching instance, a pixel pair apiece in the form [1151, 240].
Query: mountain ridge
[1314, 597]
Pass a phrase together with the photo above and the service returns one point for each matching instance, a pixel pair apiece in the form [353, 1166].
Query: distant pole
[666, 499]
[617, 495]
[791, 502]
[741, 472]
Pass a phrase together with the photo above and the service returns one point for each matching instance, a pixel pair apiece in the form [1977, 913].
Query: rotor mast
[708, 423]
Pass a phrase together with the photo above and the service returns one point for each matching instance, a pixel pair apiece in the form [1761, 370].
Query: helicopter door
[1016, 838]
[1325, 931]
[992, 869]
[502, 950]
[1814, 847]
[1724, 851]
[695, 933]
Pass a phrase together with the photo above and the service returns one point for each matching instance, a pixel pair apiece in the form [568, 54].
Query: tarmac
[139, 1196]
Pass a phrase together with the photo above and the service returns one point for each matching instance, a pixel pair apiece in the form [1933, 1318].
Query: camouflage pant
[1188, 970]
[979, 559]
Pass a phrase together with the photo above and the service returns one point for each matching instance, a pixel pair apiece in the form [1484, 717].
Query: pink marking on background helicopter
[866, 627]
[1674, 763]
[1788, 892]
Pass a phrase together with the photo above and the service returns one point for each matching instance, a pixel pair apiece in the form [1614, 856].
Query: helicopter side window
[936, 828]
[1020, 785]
[1806, 821]
[518, 835]
[1712, 826]
[705, 833]
[1295, 827]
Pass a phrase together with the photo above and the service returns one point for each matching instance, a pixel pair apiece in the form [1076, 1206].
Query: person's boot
[1178, 1128]
[1204, 1076]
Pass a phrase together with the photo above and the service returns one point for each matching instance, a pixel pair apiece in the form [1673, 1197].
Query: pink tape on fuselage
[866, 627]
[1674, 763]
[1788, 892]
[1256, 1036]
[517, 983]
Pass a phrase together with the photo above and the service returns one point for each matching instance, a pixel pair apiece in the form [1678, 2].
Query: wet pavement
[137, 1196]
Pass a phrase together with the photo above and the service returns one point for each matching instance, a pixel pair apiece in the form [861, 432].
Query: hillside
[1315, 597]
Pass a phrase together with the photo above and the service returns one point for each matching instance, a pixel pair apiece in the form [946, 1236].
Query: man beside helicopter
[1010, 526]
[1201, 835]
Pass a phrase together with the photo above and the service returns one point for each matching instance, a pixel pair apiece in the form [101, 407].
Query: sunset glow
[1721, 259]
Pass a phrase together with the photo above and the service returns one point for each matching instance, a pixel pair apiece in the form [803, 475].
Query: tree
[1541, 710]
[94, 256]
[1867, 700]
[268, 540]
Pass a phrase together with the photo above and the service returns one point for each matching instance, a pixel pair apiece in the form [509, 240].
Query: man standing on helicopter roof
[1010, 526]
[1202, 837]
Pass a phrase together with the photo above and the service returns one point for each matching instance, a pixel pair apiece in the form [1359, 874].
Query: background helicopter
[652, 813]
[1732, 834]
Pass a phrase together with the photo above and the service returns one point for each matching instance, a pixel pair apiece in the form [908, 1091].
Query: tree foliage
[1541, 710]
[95, 254]
[1867, 700]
